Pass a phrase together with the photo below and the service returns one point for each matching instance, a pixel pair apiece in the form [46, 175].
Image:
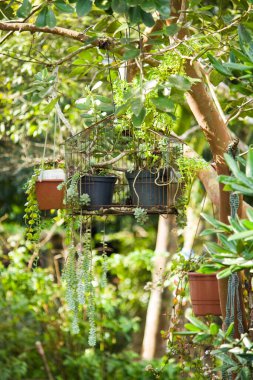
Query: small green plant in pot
[43, 193]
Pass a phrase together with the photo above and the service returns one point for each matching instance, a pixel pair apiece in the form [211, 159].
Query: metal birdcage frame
[138, 173]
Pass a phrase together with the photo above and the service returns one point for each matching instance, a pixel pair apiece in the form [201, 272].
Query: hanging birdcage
[117, 170]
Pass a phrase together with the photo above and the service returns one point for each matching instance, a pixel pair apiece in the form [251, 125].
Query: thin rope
[110, 80]
[55, 122]
[202, 208]
[44, 150]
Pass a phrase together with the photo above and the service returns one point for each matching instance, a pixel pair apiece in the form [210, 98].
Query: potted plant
[48, 192]
[203, 288]
[99, 187]
[43, 193]
[87, 190]
[204, 294]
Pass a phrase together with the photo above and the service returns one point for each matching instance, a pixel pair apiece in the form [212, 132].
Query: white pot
[52, 174]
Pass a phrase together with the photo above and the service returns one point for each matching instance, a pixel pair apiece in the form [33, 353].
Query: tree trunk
[217, 134]
[165, 243]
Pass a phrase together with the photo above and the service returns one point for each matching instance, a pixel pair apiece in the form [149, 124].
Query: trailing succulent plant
[32, 212]
[141, 215]
[188, 168]
[73, 198]
[78, 277]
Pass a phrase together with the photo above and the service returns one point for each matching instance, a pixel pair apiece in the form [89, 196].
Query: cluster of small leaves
[32, 213]
[72, 191]
[188, 169]
[78, 278]
[235, 249]
[240, 65]
[95, 106]
[234, 252]
[84, 200]
[137, 12]
[43, 86]
[70, 277]
[236, 355]
[140, 215]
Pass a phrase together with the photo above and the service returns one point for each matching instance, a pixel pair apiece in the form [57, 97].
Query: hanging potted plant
[49, 193]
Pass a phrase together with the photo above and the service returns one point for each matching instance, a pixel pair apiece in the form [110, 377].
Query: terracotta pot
[48, 196]
[204, 294]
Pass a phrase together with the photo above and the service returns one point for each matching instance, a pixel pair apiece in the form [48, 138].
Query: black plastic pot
[153, 189]
[99, 188]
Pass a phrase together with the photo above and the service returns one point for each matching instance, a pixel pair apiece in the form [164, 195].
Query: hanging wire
[44, 150]
[110, 79]
[202, 208]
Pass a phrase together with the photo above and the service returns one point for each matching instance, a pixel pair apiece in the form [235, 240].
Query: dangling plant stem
[104, 260]
[89, 286]
[78, 275]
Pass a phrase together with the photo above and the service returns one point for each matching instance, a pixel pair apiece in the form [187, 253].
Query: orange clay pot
[204, 294]
[48, 196]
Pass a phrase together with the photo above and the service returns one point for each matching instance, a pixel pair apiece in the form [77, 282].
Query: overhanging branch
[63, 32]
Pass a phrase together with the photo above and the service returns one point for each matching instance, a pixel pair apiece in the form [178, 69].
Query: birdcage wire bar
[120, 171]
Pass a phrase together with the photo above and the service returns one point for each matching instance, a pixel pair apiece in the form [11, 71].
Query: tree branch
[103, 43]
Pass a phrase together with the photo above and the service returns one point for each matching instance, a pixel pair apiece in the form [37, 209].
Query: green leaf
[163, 103]
[219, 66]
[238, 66]
[249, 163]
[236, 171]
[214, 329]
[209, 268]
[122, 109]
[213, 247]
[83, 104]
[83, 7]
[25, 9]
[180, 82]
[191, 327]
[245, 373]
[245, 41]
[214, 222]
[229, 330]
[224, 273]
[242, 235]
[138, 120]
[249, 213]
[63, 7]
[135, 15]
[41, 20]
[103, 4]
[50, 106]
[172, 29]
[147, 18]
[136, 105]
[197, 323]
[50, 18]
[163, 8]
[200, 337]
[119, 6]
[131, 54]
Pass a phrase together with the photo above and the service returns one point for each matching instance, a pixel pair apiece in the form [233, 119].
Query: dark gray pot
[150, 194]
[99, 188]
